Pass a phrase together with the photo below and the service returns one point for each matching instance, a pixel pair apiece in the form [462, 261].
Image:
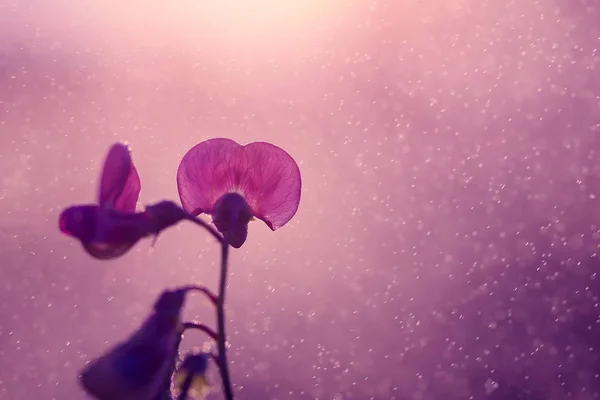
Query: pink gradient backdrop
[445, 245]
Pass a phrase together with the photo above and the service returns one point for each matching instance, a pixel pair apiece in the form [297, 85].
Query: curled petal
[120, 183]
[265, 175]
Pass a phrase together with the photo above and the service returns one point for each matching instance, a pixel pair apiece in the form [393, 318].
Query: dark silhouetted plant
[232, 183]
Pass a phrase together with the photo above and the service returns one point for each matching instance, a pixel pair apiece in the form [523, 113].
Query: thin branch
[201, 327]
[215, 358]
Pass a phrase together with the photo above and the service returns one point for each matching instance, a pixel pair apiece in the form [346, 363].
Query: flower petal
[79, 221]
[120, 183]
[131, 370]
[272, 184]
[105, 233]
[101, 380]
[265, 175]
[207, 171]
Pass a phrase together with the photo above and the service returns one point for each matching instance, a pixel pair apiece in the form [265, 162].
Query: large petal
[271, 184]
[120, 183]
[207, 171]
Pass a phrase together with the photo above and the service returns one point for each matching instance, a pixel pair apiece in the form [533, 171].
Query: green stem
[221, 342]
[220, 305]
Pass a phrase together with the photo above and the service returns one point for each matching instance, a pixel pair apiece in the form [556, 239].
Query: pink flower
[234, 183]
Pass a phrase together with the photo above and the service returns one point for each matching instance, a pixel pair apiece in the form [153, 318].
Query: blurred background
[446, 242]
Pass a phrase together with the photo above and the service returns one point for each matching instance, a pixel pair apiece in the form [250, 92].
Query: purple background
[446, 242]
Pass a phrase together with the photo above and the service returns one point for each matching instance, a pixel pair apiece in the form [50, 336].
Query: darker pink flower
[234, 183]
[112, 227]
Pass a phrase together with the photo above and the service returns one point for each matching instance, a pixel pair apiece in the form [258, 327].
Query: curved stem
[214, 336]
[215, 358]
[209, 228]
[211, 296]
[221, 342]
[201, 327]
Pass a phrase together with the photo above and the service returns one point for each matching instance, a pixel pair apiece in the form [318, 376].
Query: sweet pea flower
[111, 227]
[235, 183]
[137, 368]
